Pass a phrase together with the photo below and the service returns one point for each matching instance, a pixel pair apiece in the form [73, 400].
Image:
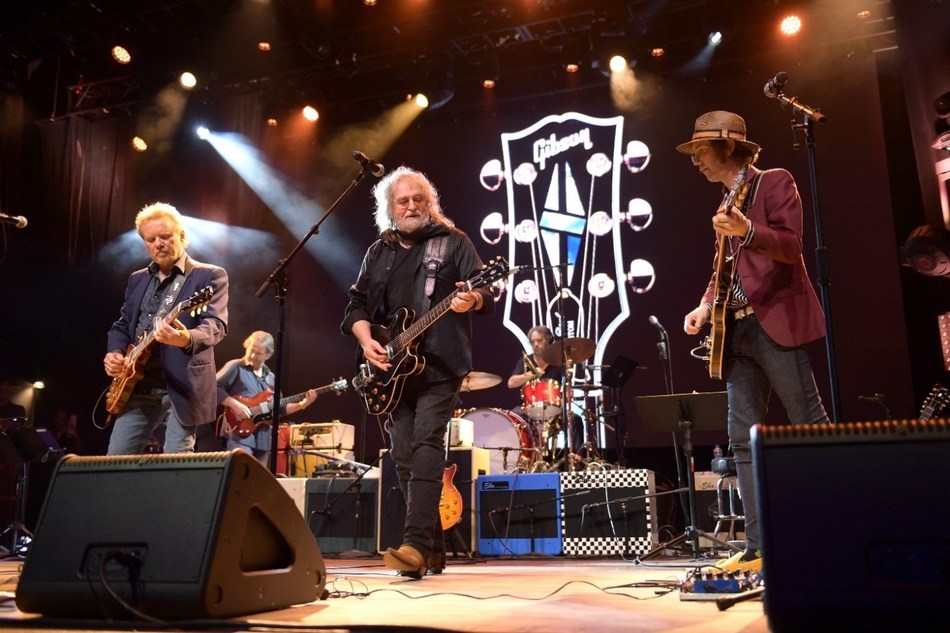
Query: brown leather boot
[407, 559]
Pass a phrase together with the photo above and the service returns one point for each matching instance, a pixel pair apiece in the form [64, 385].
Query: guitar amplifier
[519, 514]
[608, 512]
[330, 435]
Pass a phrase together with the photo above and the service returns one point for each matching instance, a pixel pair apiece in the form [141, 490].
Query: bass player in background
[416, 238]
[771, 311]
[177, 385]
[248, 376]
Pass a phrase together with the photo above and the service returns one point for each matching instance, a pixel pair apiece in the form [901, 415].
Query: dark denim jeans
[417, 430]
[754, 366]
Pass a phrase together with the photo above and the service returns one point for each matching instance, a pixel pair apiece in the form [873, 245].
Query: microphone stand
[810, 116]
[278, 279]
[663, 348]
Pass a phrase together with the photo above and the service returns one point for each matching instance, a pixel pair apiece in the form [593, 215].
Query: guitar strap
[171, 297]
[432, 260]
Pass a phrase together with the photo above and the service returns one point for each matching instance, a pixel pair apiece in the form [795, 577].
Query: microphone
[655, 322]
[16, 220]
[367, 162]
[774, 85]
[514, 270]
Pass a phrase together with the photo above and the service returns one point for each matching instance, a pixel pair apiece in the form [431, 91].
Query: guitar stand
[326, 512]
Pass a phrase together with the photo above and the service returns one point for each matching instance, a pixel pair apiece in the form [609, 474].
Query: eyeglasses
[694, 157]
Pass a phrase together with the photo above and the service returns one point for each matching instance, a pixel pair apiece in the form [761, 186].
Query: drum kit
[526, 439]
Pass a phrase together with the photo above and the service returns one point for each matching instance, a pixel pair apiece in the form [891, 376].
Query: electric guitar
[262, 409]
[934, 403]
[725, 275]
[136, 355]
[379, 390]
[450, 503]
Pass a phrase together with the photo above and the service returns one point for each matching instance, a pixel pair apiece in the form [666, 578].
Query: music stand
[685, 412]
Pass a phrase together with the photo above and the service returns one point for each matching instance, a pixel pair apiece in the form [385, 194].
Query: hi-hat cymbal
[476, 380]
[577, 350]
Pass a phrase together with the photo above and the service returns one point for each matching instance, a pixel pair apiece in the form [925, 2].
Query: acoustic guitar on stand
[136, 355]
[262, 409]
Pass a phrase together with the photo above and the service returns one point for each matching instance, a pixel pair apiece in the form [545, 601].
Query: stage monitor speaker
[855, 532]
[179, 536]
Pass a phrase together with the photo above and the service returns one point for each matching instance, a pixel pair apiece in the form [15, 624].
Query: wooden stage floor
[483, 595]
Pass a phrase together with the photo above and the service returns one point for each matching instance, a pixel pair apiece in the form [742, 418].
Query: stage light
[121, 54]
[488, 83]
[658, 51]
[422, 101]
[203, 133]
[370, 3]
[271, 122]
[572, 67]
[715, 38]
[39, 384]
[791, 25]
[310, 113]
[617, 63]
[139, 144]
[263, 46]
[187, 80]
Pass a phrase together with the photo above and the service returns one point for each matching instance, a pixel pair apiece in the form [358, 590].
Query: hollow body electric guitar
[262, 409]
[137, 354]
[380, 391]
[725, 275]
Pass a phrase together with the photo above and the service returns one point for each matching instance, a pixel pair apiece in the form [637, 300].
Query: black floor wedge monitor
[183, 536]
[855, 526]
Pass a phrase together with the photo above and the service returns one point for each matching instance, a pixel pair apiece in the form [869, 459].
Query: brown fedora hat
[718, 125]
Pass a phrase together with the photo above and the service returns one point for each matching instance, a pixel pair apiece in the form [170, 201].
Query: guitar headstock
[491, 272]
[339, 385]
[935, 402]
[198, 302]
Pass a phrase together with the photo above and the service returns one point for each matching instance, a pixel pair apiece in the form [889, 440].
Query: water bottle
[719, 463]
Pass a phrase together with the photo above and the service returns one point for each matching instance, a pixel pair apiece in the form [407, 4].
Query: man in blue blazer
[170, 381]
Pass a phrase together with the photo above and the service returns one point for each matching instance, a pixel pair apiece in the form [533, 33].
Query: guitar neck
[300, 396]
[415, 330]
[149, 338]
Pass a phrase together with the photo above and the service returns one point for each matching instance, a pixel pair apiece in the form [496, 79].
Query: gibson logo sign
[552, 146]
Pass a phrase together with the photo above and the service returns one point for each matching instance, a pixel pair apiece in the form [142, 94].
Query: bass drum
[509, 439]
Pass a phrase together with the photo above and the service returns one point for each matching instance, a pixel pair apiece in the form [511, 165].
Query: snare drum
[541, 399]
[509, 439]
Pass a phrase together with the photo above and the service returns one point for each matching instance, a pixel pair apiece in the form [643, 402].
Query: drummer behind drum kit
[520, 444]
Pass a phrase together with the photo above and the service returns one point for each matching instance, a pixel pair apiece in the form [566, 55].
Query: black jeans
[417, 432]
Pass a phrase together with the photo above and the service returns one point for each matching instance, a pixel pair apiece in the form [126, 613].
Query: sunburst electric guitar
[379, 390]
[725, 274]
[137, 354]
[262, 409]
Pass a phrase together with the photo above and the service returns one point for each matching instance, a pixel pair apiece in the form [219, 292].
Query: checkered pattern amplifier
[608, 512]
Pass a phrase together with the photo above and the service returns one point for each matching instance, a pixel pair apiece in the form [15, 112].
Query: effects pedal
[711, 586]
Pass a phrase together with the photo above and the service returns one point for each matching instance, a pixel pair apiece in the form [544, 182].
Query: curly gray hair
[385, 203]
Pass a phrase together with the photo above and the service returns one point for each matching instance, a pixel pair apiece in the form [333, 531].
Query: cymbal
[577, 350]
[476, 380]
[586, 387]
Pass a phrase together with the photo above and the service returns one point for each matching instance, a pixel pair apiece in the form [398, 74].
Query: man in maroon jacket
[772, 310]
